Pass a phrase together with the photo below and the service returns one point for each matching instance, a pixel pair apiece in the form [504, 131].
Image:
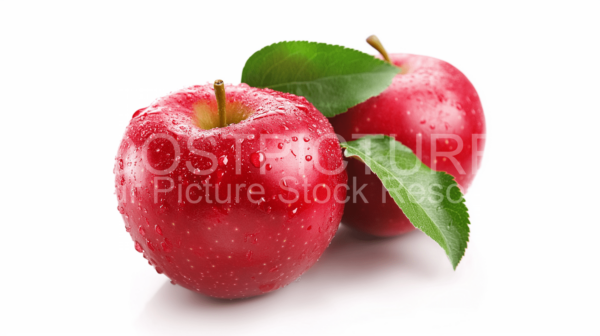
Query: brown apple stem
[221, 102]
[375, 43]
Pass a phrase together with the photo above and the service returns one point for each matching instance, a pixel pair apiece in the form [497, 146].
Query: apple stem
[375, 43]
[221, 102]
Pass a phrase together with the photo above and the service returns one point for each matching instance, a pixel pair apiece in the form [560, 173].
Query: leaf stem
[221, 102]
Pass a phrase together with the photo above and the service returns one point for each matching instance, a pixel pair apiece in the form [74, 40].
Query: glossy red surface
[252, 234]
[429, 99]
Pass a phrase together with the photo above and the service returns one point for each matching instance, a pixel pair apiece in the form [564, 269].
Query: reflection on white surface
[352, 275]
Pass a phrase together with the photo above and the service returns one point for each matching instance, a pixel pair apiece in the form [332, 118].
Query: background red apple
[429, 103]
[213, 207]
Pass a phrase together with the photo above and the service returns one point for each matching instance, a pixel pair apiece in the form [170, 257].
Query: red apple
[233, 211]
[430, 104]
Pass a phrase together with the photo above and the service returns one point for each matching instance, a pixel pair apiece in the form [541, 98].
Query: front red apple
[433, 109]
[232, 211]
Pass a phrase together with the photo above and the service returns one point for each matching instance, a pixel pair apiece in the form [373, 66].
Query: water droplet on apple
[223, 161]
[306, 139]
[138, 247]
[422, 121]
[150, 246]
[302, 107]
[292, 213]
[432, 126]
[280, 145]
[121, 209]
[257, 159]
[294, 138]
[268, 166]
[262, 205]
[138, 112]
[308, 158]
[159, 270]
[142, 231]
[250, 136]
[158, 230]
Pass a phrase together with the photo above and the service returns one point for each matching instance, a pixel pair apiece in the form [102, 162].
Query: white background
[72, 74]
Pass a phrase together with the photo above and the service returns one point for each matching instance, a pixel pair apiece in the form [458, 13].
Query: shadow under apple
[348, 269]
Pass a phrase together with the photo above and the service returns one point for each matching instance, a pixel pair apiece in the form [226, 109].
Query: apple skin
[429, 97]
[235, 249]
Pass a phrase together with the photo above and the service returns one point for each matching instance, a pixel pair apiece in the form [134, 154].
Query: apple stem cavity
[375, 43]
[221, 102]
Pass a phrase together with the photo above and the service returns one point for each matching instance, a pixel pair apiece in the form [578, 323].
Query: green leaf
[331, 77]
[431, 200]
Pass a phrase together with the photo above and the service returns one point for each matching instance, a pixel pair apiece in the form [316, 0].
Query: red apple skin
[428, 97]
[235, 249]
